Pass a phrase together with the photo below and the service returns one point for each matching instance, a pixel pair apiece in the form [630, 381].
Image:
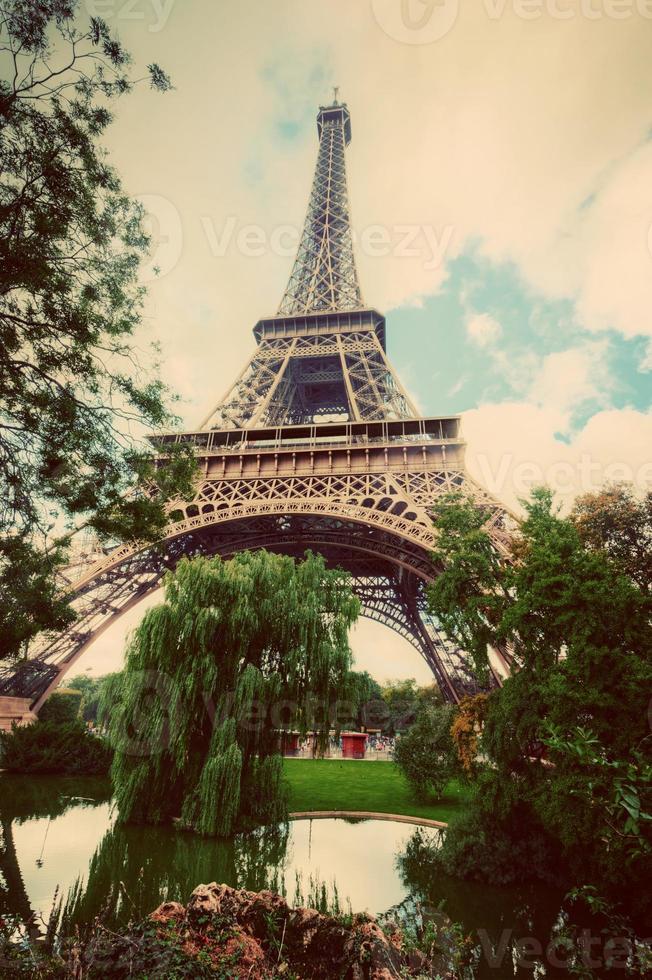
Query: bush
[62, 706]
[48, 747]
[499, 840]
[426, 754]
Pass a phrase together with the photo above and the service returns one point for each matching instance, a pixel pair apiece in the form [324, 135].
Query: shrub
[499, 840]
[62, 706]
[426, 754]
[466, 728]
[48, 747]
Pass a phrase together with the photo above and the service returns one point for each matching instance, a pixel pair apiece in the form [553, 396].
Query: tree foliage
[359, 694]
[621, 788]
[615, 520]
[65, 748]
[426, 753]
[30, 596]
[403, 700]
[62, 706]
[469, 595]
[238, 650]
[91, 689]
[579, 629]
[73, 396]
[466, 729]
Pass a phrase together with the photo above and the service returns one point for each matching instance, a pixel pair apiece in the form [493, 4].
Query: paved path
[365, 815]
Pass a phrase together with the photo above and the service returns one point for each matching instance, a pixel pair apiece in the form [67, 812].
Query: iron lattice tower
[316, 445]
[324, 276]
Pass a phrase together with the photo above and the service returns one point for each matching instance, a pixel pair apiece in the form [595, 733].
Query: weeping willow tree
[238, 650]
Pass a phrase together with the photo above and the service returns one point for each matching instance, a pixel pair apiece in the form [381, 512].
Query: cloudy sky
[500, 177]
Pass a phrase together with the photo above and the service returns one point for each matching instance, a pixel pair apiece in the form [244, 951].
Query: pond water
[60, 833]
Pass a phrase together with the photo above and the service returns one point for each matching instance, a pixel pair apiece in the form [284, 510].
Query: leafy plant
[426, 753]
[62, 706]
[621, 788]
[52, 747]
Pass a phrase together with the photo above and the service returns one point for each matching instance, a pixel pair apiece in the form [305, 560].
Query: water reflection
[134, 869]
[59, 832]
[103, 868]
[496, 918]
[30, 810]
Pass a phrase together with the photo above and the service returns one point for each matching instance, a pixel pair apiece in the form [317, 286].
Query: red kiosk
[290, 743]
[353, 745]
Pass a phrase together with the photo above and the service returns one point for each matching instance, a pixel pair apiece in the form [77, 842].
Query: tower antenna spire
[324, 276]
[336, 90]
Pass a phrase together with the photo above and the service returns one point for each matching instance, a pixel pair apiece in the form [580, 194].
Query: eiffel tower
[317, 445]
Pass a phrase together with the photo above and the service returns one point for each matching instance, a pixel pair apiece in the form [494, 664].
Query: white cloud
[514, 446]
[646, 363]
[471, 139]
[483, 329]
[569, 378]
[614, 246]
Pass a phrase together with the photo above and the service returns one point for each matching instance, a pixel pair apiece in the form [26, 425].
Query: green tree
[360, 692]
[579, 631]
[400, 697]
[615, 520]
[30, 598]
[404, 699]
[238, 650]
[73, 396]
[472, 590]
[62, 747]
[62, 706]
[91, 689]
[84, 683]
[364, 686]
[426, 754]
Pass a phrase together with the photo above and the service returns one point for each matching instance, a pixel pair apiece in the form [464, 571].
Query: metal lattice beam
[324, 275]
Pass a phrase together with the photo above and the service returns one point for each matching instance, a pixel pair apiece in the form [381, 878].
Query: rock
[304, 924]
[369, 946]
[205, 900]
[168, 911]
[248, 954]
[256, 935]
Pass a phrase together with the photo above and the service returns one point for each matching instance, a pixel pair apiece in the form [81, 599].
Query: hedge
[62, 706]
[50, 747]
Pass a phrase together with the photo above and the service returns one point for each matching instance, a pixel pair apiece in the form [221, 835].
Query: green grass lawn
[322, 784]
